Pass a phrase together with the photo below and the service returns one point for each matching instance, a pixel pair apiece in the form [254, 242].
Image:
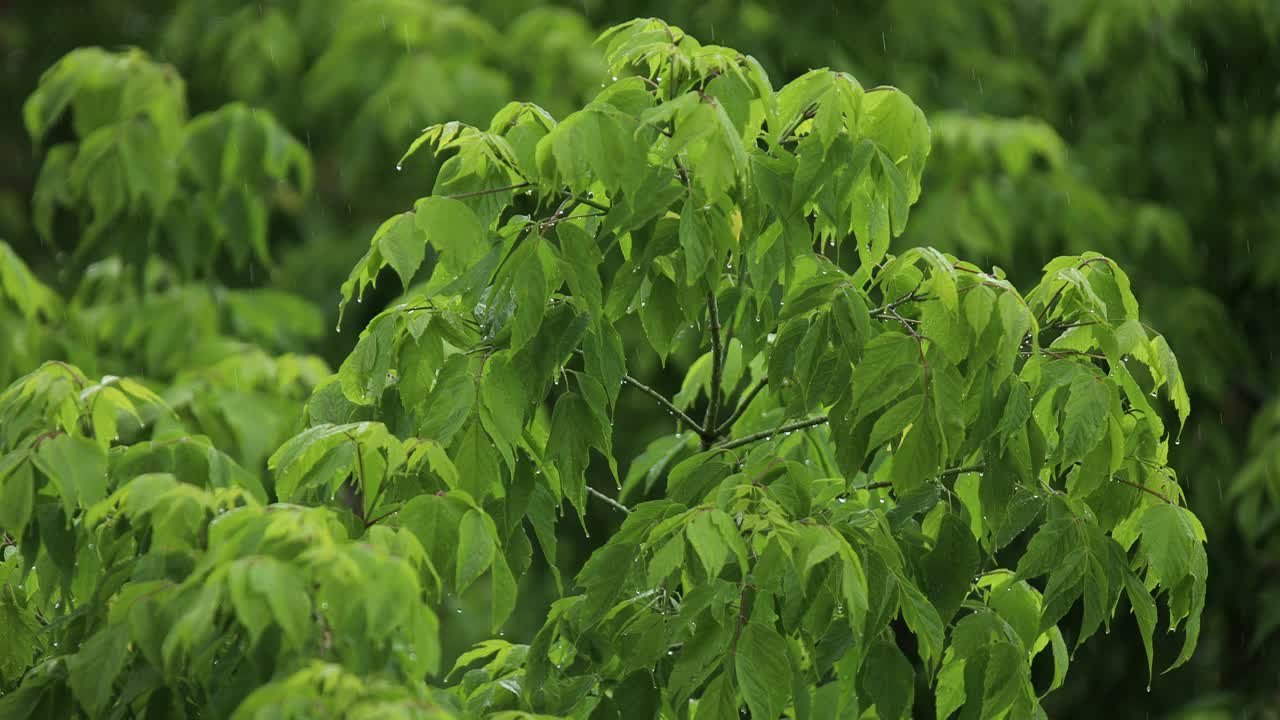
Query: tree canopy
[662, 386]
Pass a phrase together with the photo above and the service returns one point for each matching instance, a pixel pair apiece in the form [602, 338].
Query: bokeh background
[1148, 130]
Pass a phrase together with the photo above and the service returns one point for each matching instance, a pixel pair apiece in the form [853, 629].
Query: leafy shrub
[879, 466]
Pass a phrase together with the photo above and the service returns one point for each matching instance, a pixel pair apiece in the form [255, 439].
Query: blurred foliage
[1146, 129]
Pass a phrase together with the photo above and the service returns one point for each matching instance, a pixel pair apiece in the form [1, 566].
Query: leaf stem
[617, 505]
[664, 402]
[766, 434]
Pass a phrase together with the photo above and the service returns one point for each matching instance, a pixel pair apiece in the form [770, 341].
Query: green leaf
[890, 364]
[718, 701]
[19, 641]
[923, 620]
[364, 373]
[1084, 418]
[1144, 611]
[451, 401]
[17, 493]
[919, 455]
[950, 566]
[286, 594]
[661, 314]
[763, 667]
[705, 538]
[477, 463]
[403, 244]
[503, 404]
[569, 446]
[454, 230]
[76, 467]
[579, 259]
[476, 550]
[890, 425]
[1171, 536]
[889, 680]
[696, 240]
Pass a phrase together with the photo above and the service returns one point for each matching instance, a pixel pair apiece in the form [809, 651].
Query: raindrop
[459, 611]
[615, 78]
[324, 606]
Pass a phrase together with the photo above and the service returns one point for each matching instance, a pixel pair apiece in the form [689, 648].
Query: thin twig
[717, 366]
[795, 124]
[1148, 490]
[374, 521]
[1048, 306]
[609, 500]
[742, 406]
[766, 434]
[490, 191]
[945, 473]
[664, 402]
[961, 470]
[909, 297]
[924, 362]
[587, 201]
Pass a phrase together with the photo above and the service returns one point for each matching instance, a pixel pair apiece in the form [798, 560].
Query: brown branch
[1147, 490]
[742, 406]
[664, 402]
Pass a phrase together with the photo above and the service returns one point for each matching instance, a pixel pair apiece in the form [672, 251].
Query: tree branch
[664, 402]
[490, 191]
[587, 201]
[617, 505]
[766, 434]
[742, 406]
[961, 470]
[945, 473]
[717, 366]
[1144, 489]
